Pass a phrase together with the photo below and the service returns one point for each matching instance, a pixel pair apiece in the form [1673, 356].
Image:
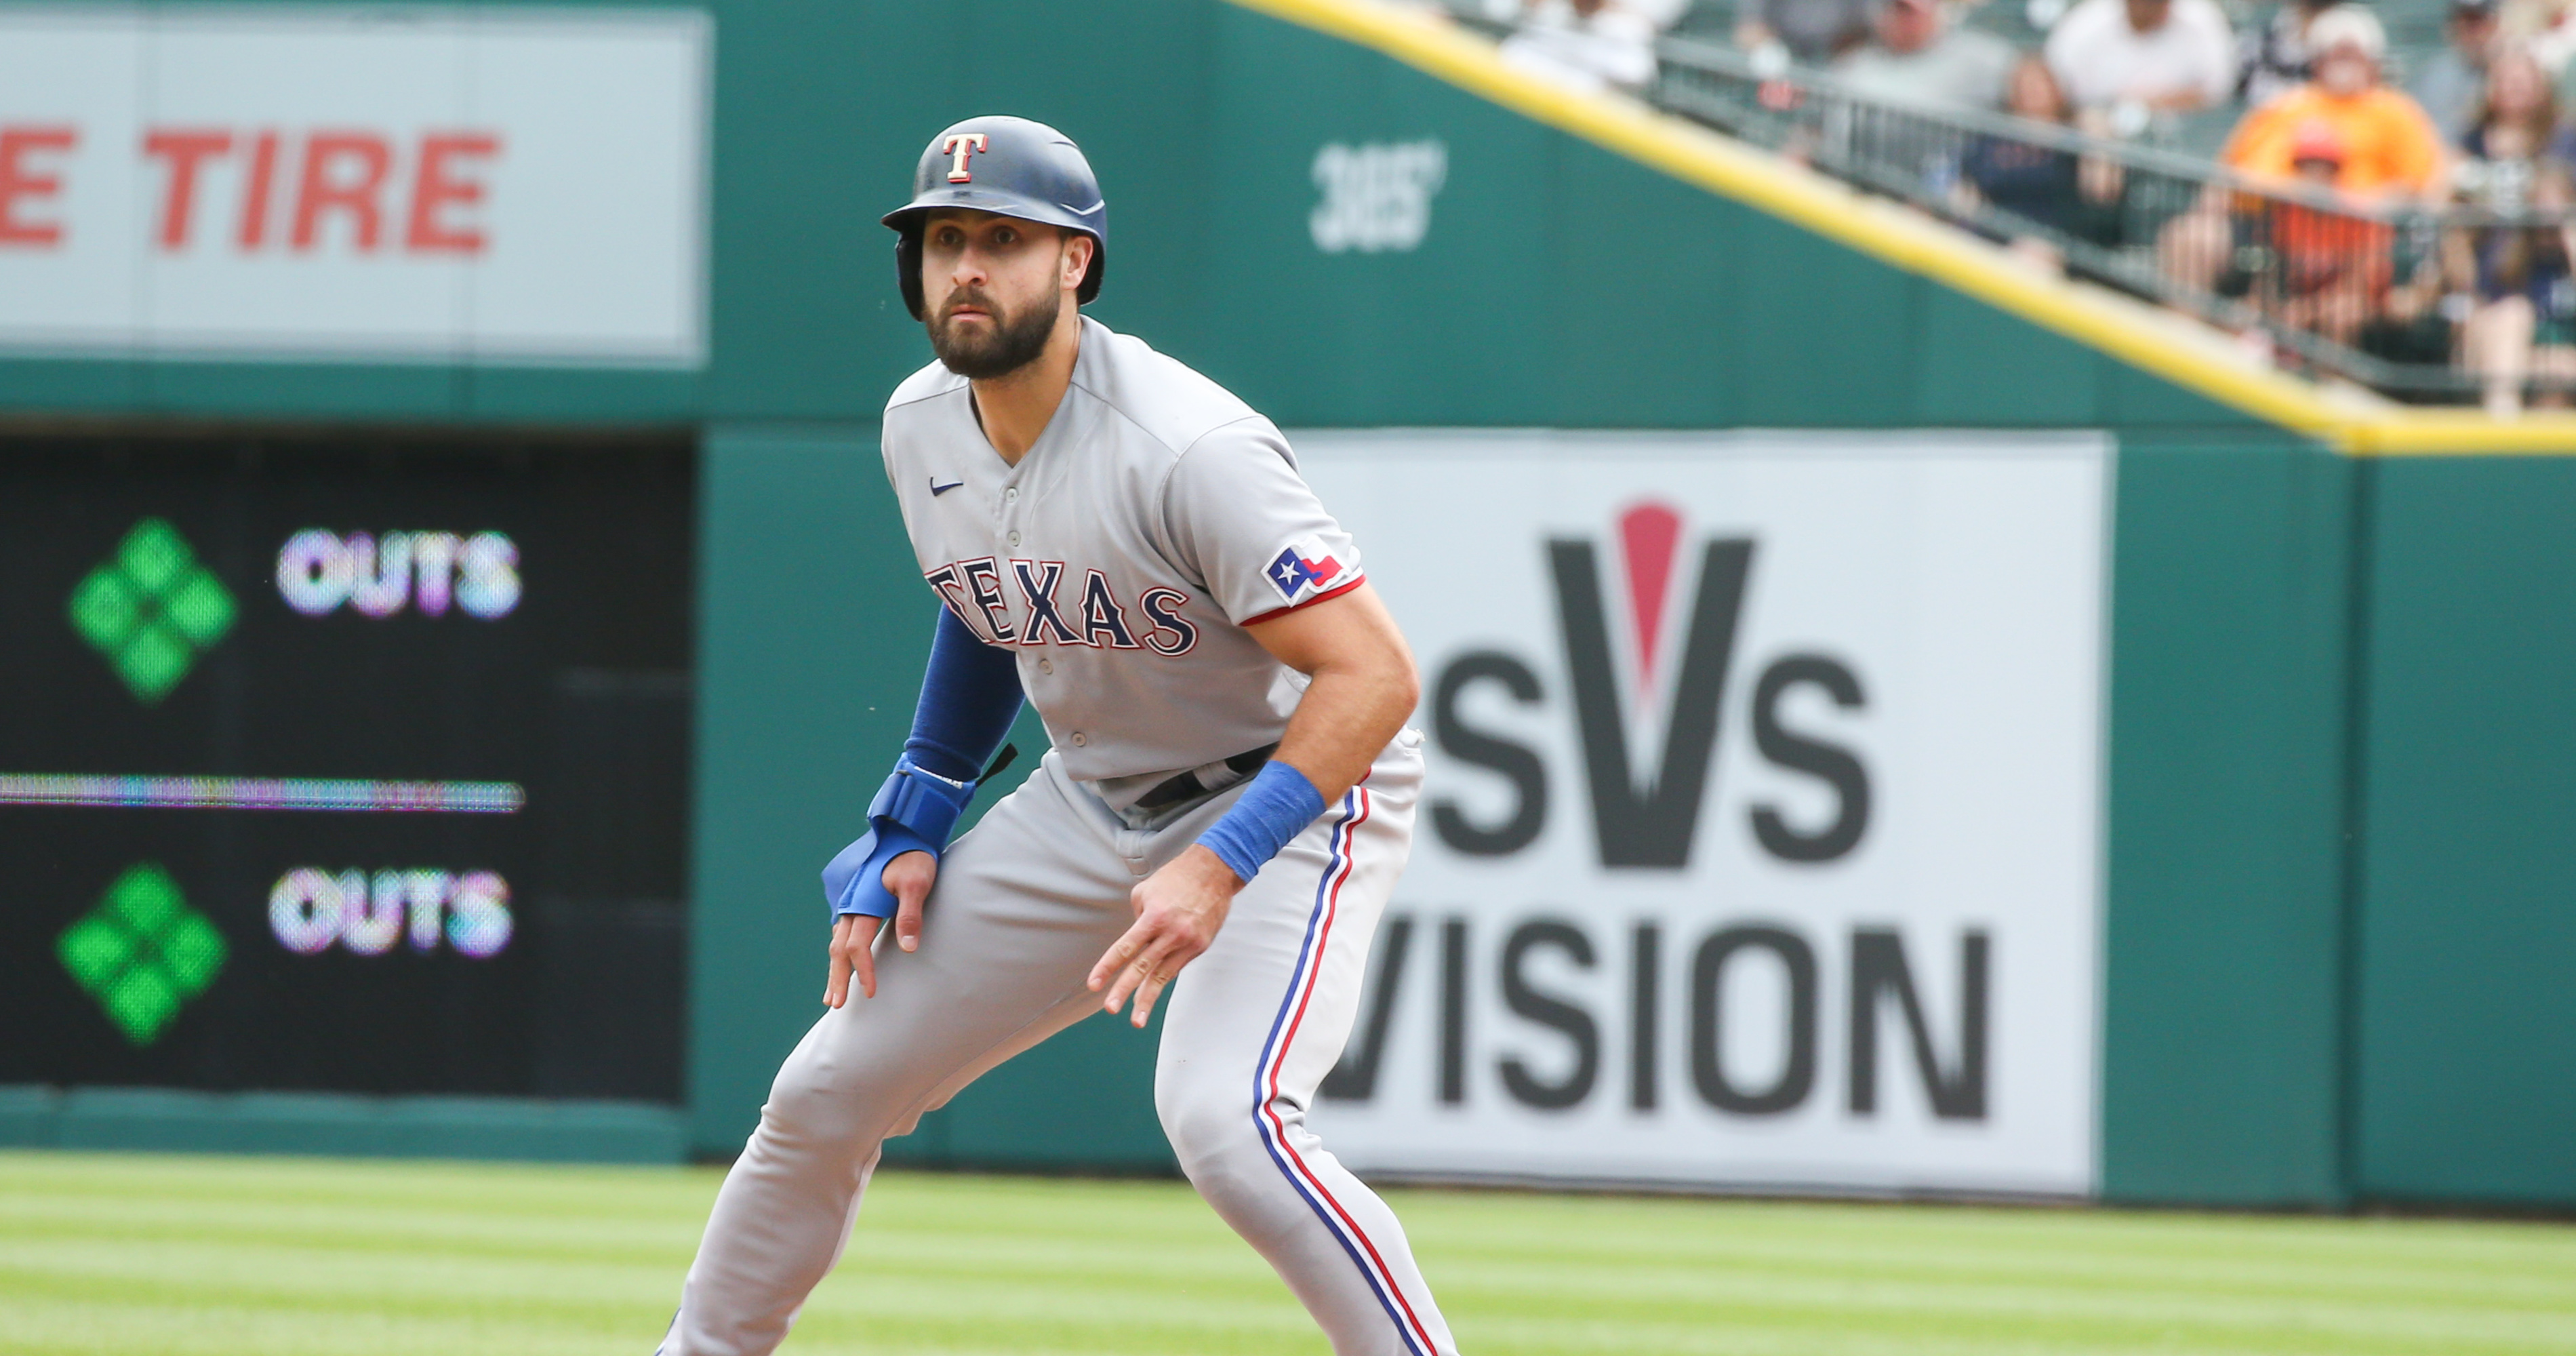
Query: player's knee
[1221, 1151]
[1205, 1125]
[813, 1102]
[798, 1111]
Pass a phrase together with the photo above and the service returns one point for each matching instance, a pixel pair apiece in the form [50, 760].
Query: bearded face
[993, 289]
[979, 338]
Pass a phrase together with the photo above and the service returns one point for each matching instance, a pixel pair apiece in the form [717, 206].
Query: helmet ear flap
[907, 270]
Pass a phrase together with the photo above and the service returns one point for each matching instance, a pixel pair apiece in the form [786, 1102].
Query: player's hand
[1178, 910]
[854, 935]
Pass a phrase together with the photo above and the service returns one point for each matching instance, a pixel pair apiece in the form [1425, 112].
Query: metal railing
[2378, 295]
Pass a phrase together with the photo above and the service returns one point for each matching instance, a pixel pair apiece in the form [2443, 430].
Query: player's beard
[1011, 342]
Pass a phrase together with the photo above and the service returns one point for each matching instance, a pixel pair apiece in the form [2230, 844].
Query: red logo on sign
[1648, 534]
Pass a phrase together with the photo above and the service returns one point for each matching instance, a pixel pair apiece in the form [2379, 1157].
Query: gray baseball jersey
[1123, 556]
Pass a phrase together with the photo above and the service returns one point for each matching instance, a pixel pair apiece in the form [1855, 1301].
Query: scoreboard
[354, 762]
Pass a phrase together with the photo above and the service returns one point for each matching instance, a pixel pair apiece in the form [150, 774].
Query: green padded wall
[2467, 910]
[807, 667]
[2223, 1007]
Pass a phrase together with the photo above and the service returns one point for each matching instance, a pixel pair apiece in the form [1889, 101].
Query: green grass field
[129, 1256]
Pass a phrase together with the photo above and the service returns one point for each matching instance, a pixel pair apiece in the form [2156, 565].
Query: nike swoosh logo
[937, 489]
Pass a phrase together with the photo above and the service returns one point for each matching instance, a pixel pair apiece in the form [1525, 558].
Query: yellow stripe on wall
[2178, 349]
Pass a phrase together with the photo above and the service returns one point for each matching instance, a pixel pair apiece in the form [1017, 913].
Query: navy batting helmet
[1010, 166]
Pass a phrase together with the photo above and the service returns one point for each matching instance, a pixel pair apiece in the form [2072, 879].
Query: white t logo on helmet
[962, 145]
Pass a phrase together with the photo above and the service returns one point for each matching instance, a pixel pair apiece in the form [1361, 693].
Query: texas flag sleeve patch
[1305, 571]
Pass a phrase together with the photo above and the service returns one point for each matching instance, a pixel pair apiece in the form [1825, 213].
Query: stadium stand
[2356, 237]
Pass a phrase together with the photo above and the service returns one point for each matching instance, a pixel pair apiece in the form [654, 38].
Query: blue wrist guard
[1277, 807]
[914, 811]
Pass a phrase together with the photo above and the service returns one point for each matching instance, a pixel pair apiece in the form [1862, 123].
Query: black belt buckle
[1186, 785]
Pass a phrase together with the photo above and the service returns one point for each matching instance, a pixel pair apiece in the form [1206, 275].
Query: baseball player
[1227, 804]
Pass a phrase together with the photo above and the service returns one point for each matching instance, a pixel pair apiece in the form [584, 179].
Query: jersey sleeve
[1241, 519]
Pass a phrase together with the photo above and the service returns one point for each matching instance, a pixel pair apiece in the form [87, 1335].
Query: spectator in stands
[1810, 31]
[2330, 271]
[2151, 56]
[2512, 122]
[2273, 57]
[1589, 44]
[2453, 79]
[2522, 317]
[2390, 149]
[2343, 132]
[2066, 194]
[1916, 57]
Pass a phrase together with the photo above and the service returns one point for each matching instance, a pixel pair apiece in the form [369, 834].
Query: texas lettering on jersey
[1050, 610]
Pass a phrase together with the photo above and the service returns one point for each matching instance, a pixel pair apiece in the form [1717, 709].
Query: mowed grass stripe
[108, 1255]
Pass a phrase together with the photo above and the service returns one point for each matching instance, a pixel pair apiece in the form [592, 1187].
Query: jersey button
[1046, 666]
[1080, 739]
[1015, 538]
[1011, 495]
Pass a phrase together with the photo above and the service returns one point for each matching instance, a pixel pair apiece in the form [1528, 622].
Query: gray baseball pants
[1024, 905]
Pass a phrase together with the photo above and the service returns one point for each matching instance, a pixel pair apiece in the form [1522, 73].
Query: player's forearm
[1348, 714]
[1360, 688]
[1350, 710]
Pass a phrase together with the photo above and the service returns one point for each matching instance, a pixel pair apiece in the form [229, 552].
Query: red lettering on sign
[345, 173]
[257, 188]
[322, 190]
[19, 180]
[185, 151]
[435, 186]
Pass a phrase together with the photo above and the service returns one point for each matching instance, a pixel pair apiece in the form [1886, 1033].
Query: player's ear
[1076, 259]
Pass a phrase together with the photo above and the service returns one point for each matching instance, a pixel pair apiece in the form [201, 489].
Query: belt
[1187, 786]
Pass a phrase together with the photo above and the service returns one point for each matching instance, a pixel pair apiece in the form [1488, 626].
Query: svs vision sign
[1762, 844]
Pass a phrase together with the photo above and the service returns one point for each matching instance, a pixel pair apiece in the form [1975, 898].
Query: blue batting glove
[855, 881]
[914, 811]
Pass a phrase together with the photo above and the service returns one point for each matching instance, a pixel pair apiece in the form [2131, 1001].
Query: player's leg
[1023, 907]
[1254, 1026]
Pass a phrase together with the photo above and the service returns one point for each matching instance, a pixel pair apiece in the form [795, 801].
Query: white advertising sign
[1762, 841]
[423, 184]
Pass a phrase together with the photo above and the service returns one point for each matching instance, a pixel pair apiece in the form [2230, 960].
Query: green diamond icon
[142, 953]
[152, 609]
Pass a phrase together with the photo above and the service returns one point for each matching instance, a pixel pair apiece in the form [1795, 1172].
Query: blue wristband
[914, 811]
[1277, 807]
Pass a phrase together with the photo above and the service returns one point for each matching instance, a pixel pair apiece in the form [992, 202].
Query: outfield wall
[2334, 807]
